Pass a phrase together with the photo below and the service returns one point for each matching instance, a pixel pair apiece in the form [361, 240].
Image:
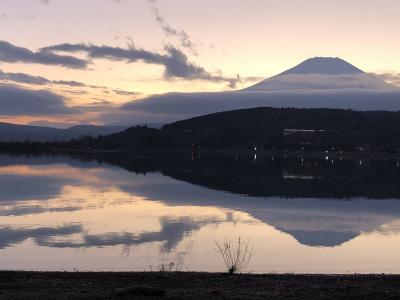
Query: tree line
[255, 128]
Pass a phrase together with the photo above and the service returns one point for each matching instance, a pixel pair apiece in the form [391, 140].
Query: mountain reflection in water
[60, 212]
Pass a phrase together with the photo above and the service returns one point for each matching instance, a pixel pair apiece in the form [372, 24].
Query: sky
[71, 61]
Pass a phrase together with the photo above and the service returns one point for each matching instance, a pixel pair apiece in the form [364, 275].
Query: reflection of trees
[310, 211]
[278, 177]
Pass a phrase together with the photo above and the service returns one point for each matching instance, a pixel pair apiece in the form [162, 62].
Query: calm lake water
[126, 213]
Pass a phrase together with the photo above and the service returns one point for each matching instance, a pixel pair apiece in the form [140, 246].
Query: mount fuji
[324, 65]
[321, 73]
[320, 82]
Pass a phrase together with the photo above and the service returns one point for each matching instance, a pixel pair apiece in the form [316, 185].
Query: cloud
[184, 38]
[176, 63]
[174, 106]
[15, 101]
[38, 80]
[120, 116]
[393, 78]
[13, 54]
[72, 83]
[100, 106]
[46, 2]
[358, 92]
[126, 93]
[100, 101]
[23, 78]
[293, 82]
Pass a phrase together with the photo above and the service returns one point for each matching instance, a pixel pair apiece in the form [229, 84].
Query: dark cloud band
[16, 101]
[13, 54]
[176, 63]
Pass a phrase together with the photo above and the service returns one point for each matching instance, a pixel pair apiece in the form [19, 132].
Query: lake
[127, 213]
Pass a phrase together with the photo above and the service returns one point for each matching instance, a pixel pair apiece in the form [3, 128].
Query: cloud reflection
[172, 232]
[10, 236]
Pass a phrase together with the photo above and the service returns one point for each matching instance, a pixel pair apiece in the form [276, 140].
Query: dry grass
[236, 256]
[169, 264]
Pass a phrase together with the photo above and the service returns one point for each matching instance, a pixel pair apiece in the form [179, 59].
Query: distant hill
[92, 130]
[14, 132]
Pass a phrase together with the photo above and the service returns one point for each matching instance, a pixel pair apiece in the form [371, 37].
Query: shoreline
[164, 153]
[195, 285]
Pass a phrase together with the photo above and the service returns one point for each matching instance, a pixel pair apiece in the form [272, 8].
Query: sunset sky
[83, 59]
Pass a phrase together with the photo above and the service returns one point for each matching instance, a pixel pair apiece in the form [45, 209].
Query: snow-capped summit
[321, 73]
[324, 65]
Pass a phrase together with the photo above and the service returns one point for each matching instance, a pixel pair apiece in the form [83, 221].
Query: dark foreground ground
[182, 285]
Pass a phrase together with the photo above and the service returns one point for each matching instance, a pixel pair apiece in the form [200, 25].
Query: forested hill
[263, 128]
[276, 119]
[345, 129]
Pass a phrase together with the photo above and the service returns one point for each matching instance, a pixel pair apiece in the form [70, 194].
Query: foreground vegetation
[185, 285]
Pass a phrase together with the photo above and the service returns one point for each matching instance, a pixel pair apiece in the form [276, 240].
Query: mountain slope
[93, 130]
[324, 65]
[321, 73]
[15, 132]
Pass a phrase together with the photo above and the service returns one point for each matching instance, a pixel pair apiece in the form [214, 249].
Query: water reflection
[12, 236]
[171, 233]
[61, 205]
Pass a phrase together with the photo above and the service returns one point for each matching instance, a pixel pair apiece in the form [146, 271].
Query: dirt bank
[182, 285]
